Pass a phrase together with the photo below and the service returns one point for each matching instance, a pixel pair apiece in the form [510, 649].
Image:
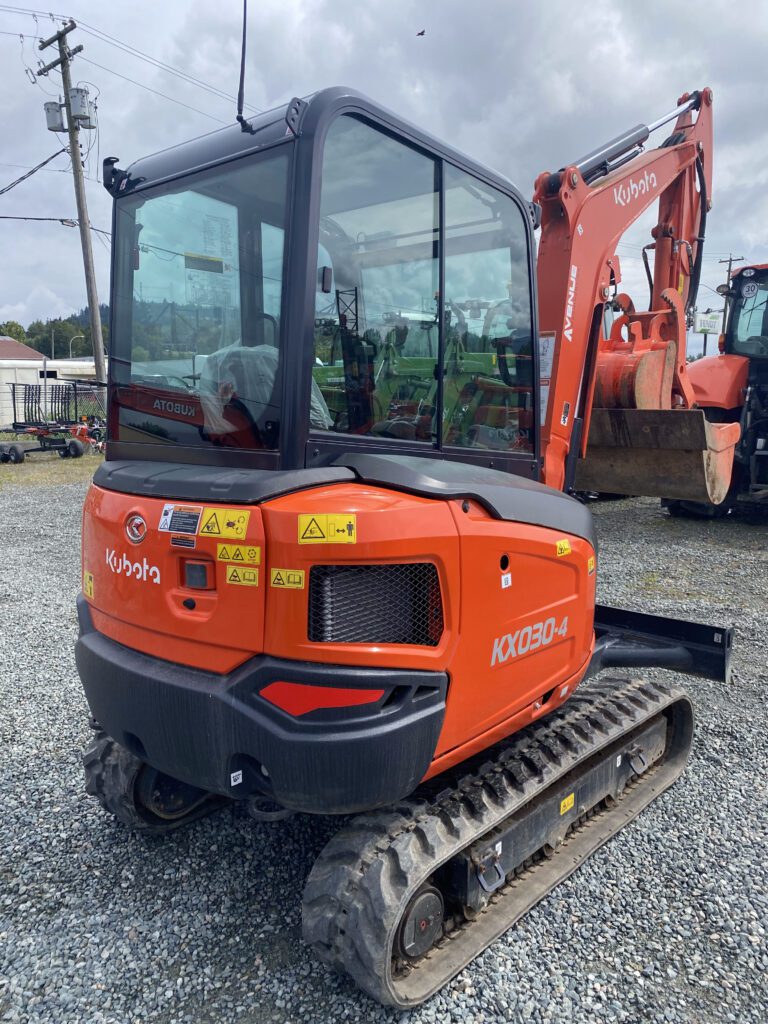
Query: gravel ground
[666, 923]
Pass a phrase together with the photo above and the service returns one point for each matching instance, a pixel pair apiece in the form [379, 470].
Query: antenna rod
[241, 90]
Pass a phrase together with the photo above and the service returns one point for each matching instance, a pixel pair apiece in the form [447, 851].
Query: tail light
[301, 698]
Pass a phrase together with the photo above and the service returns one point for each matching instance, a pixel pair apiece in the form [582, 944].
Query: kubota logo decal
[624, 194]
[142, 571]
[527, 639]
[181, 409]
[569, 300]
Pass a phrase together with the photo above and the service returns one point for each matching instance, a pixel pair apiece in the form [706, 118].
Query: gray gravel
[667, 923]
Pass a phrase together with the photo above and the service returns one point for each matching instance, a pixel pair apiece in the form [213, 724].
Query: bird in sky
[421, 33]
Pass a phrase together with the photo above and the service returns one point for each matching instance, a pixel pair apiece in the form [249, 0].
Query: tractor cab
[327, 280]
[747, 333]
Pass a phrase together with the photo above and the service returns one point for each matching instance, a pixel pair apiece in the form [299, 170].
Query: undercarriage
[401, 899]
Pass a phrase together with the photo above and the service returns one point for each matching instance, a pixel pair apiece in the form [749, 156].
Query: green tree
[12, 329]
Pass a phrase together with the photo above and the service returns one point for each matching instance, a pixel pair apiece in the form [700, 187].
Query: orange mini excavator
[321, 571]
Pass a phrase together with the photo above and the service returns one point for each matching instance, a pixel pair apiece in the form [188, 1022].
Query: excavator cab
[321, 284]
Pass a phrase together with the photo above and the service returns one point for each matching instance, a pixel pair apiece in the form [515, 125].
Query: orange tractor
[330, 564]
[733, 388]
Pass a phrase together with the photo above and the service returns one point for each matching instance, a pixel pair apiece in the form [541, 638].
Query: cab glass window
[488, 364]
[749, 320]
[198, 292]
[376, 316]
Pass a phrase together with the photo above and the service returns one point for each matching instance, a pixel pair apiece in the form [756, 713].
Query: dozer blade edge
[661, 453]
[462, 866]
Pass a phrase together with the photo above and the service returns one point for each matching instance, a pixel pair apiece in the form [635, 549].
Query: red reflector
[301, 698]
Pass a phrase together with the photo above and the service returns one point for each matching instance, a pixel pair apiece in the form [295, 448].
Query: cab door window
[376, 316]
[488, 359]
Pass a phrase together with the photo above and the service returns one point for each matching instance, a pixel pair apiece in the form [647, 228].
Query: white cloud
[522, 87]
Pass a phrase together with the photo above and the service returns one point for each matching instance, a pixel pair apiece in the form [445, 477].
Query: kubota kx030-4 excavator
[320, 571]
[732, 387]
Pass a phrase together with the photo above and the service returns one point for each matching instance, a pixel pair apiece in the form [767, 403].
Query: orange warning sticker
[245, 554]
[333, 528]
[231, 523]
[243, 576]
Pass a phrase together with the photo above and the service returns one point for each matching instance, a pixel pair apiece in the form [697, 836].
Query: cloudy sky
[523, 87]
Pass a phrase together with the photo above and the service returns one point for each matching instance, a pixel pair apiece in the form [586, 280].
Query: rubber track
[111, 773]
[367, 874]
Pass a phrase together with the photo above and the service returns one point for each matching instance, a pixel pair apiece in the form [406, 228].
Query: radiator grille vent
[375, 604]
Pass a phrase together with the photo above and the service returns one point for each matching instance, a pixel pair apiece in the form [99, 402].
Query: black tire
[96, 434]
[696, 510]
[16, 454]
[63, 452]
[3, 455]
[112, 775]
[75, 448]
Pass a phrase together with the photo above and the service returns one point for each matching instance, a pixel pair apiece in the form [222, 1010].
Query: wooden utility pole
[63, 62]
[729, 261]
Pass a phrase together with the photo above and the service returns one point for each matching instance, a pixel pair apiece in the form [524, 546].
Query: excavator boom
[621, 414]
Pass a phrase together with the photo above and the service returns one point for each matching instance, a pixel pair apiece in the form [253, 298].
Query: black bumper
[205, 728]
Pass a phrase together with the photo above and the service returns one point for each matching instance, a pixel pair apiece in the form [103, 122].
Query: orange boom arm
[639, 368]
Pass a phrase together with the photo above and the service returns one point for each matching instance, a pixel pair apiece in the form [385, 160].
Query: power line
[31, 171]
[155, 91]
[133, 51]
[170, 69]
[68, 222]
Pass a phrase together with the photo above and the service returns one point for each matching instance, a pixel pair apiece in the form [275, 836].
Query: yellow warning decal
[244, 576]
[563, 547]
[289, 579]
[567, 804]
[335, 528]
[591, 564]
[245, 554]
[88, 584]
[224, 522]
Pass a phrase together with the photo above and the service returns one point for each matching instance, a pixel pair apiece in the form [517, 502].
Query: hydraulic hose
[704, 200]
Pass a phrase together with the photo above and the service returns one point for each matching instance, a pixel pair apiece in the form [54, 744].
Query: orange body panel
[147, 614]
[518, 600]
[719, 381]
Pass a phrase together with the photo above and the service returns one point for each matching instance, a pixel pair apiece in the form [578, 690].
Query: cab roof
[301, 118]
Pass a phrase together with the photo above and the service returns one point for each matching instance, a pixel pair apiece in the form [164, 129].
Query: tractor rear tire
[16, 454]
[697, 510]
[112, 775]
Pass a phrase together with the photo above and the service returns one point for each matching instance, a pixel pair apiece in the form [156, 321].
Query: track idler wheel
[138, 795]
[422, 924]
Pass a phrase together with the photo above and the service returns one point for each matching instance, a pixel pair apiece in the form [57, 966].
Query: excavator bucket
[664, 453]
